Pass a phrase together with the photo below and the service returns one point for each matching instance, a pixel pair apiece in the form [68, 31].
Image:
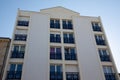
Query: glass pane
[58, 50]
[12, 67]
[57, 35]
[66, 50]
[72, 50]
[51, 21]
[52, 68]
[65, 35]
[96, 24]
[59, 68]
[57, 21]
[100, 52]
[100, 37]
[22, 48]
[52, 49]
[51, 35]
[104, 70]
[71, 35]
[104, 52]
[69, 22]
[64, 22]
[19, 67]
[16, 48]
[109, 70]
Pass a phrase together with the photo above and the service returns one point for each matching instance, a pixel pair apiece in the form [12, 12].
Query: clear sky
[109, 10]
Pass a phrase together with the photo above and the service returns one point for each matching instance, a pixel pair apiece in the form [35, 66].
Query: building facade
[59, 44]
[4, 47]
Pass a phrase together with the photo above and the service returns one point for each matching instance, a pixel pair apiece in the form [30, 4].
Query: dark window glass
[104, 56]
[99, 40]
[72, 76]
[96, 27]
[20, 37]
[55, 24]
[59, 68]
[23, 23]
[55, 38]
[55, 53]
[16, 48]
[70, 54]
[68, 38]
[12, 67]
[19, 67]
[52, 68]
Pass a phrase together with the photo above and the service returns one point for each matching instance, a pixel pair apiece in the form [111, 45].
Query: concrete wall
[35, 65]
[88, 60]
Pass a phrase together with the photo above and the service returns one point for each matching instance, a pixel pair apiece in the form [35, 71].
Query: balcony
[70, 56]
[57, 56]
[97, 28]
[17, 54]
[14, 75]
[72, 76]
[67, 26]
[105, 58]
[56, 76]
[100, 42]
[110, 76]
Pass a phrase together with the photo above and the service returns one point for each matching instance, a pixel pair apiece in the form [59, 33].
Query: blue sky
[109, 10]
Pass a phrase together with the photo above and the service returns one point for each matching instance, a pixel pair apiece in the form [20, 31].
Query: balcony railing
[17, 54]
[57, 56]
[72, 76]
[14, 75]
[100, 42]
[105, 57]
[56, 76]
[70, 56]
[96, 28]
[110, 76]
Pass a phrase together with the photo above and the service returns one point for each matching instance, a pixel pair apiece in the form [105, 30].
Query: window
[18, 51]
[96, 26]
[67, 24]
[15, 71]
[100, 40]
[55, 23]
[109, 74]
[55, 53]
[104, 56]
[20, 37]
[55, 38]
[23, 23]
[70, 54]
[56, 72]
[68, 38]
[72, 76]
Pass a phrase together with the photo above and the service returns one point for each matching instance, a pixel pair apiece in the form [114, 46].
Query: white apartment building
[59, 44]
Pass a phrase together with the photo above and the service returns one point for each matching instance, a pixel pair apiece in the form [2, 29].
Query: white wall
[35, 65]
[89, 63]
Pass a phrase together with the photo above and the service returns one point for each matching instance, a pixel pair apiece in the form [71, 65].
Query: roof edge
[60, 7]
